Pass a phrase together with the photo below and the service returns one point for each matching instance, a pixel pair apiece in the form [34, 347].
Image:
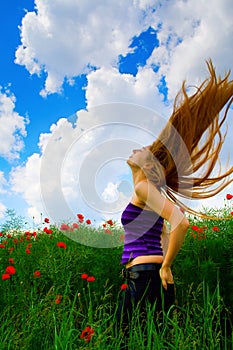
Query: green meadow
[58, 291]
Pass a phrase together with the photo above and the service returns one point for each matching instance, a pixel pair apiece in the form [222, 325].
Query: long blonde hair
[192, 140]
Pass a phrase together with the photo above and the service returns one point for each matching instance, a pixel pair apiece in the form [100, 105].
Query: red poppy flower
[1, 234]
[216, 228]
[61, 245]
[104, 225]
[15, 240]
[10, 270]
[6, 276]
[8, 235]
[47, 230]
[229, 196]
[107, 230]
[124, 286]
[88, 222]
[110, 222]
[28, 251]
[37, 274]
[195, 228]
[64, 227]
[11, 261]
[2, 246]
[87, 333]
[58, 299]
[46, 220]
[231, 212]
[80, 217]
[84, 276]
[75, 225]
[90, 279]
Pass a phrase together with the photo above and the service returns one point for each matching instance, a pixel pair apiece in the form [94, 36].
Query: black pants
[144, 287]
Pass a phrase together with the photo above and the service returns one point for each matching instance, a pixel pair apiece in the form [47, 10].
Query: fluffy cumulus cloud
[35, 175]
[108, 85]
[192, 32]
[65, 38]
[13, 127]
[25, 180]
[82, 165]
[3, 182]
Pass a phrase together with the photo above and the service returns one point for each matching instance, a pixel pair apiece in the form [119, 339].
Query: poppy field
[60, 293]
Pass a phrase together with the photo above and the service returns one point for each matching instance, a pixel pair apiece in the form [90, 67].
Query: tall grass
[48, 302]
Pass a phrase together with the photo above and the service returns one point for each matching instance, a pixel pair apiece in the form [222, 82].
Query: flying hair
[188, 147]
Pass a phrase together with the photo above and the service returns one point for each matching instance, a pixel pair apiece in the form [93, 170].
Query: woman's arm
[165, 238]
[150, 195]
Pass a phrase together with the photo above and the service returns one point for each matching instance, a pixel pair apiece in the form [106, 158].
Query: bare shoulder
[157, 202]
[150, 195]
[154, 199]
[144, 188]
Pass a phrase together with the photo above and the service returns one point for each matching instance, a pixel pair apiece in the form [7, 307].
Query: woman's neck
[138, 176]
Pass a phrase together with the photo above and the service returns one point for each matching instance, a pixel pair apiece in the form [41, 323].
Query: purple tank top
[143, 230]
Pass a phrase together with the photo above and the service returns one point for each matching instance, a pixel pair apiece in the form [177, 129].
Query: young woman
[178, 163]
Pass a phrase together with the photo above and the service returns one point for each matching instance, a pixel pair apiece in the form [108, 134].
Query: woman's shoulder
[140, 195]
[142, 189]
[135, 200]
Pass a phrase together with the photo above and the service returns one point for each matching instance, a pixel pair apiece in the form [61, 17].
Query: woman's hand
[166, 276]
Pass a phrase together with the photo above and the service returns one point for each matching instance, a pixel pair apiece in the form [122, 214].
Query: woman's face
[139, 157]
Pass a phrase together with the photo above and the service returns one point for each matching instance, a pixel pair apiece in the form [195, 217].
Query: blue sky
[41, 111]
[62, 59]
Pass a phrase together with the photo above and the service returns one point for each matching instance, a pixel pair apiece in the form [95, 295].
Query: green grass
[51, 311]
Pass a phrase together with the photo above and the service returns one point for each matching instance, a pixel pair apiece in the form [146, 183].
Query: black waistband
[144, 267]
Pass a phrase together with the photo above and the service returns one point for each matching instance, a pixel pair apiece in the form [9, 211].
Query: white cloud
[65, 38]
[13, 127]
[108, 85]
[76, 163]
[25, 180]
[3, 182]
[60, 128]
[192, 32]
[110, 192]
